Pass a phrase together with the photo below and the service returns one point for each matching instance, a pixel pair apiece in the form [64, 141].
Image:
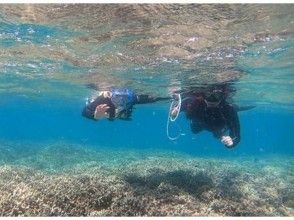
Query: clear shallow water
[48, 54]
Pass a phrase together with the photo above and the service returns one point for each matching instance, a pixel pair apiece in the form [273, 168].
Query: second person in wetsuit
[209, 110]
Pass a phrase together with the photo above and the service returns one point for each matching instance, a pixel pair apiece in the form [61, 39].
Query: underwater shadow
[171, 182]
[228, 186]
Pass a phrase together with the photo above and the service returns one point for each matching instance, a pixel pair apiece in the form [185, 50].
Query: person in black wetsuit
[208, 109]
[116, 103]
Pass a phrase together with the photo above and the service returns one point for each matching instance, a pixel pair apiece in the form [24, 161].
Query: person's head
[214, 96]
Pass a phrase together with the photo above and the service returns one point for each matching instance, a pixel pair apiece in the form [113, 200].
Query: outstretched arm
[188, 105]
[143, 99]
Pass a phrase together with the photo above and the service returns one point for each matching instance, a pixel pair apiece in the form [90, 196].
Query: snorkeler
[208, 109]
[116, 103]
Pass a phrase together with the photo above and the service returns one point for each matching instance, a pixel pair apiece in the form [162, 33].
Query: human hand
[227, 140]
[100, 111]
[174, 112]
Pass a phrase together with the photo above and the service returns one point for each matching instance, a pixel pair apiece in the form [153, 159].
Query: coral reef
[68, 180]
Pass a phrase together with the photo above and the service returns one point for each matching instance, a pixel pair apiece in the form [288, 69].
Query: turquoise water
[54, 162]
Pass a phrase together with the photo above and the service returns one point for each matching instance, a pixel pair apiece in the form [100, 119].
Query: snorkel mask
[213, 98]
[123, 100]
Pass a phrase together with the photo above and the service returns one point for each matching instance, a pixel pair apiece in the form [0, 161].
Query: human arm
[189, 104]
[143, 99]
[233, 125]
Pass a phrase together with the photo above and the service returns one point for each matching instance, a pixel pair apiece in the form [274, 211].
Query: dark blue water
[51, 119]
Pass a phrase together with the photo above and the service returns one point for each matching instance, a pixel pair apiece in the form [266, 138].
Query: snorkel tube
[175, 105]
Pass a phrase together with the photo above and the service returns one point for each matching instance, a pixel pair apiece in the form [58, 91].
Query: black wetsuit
[89, 109]
[217, 120]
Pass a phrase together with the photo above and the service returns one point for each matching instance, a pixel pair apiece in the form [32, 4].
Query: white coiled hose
[170, 118]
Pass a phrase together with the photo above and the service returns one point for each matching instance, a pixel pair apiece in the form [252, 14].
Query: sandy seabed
[70, 180]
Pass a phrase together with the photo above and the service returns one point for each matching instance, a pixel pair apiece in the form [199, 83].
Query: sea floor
[64, 179]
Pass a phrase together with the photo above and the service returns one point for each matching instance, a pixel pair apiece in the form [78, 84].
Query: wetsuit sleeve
[233, 124]
[89, 110]
[185, 104]
[143, 99]
[189, 103]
